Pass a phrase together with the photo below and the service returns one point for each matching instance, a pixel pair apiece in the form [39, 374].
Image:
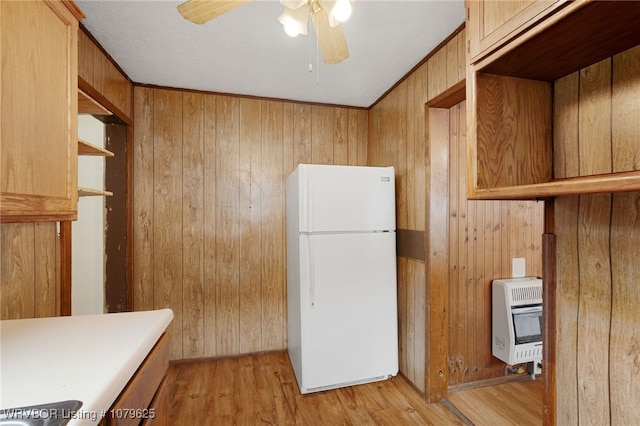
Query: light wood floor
[515, 403]
[261, 389]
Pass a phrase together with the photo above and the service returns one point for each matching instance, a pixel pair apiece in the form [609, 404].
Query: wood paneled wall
[209, 223]
[483, 236]
[29, 274]
[397, 138]
[101, 74]
[597, 129]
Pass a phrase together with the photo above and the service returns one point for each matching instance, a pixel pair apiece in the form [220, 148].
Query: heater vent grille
[529, 294]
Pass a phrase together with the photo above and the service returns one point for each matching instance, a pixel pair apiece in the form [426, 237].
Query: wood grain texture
[99, 71]
[143, 194]
[262, 389]
[402, 112]
[167, 207]
[625, 111]
[482, 238]
[624, 341]
[490, 23]
[193, 224]
[222, 240]
[29, 271]
[38, 170]
[596, 239]
[440, 137]
[140, 391]
[586, 33]
[227, 229]
[513, 129]
[509, 403]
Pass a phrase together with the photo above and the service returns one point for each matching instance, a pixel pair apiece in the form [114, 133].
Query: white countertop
[89, 358]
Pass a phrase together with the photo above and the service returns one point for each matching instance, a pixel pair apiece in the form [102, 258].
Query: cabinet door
[38, 174]
[491, 23]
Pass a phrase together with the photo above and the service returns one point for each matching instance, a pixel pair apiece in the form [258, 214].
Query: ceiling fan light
[294, 21]
[341, 10]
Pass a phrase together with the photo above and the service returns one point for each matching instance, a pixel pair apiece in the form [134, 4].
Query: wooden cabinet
[510, 96]
[492, 22]
[144, 399]
[38, 111]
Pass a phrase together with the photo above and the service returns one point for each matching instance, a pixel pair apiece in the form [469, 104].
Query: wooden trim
[65, 268]
[421, 63]
[592, 184]
[450, 97]
[437, 247]
[104, 52]
[116, 236]
[490, 382]
[549, 318]
[221, 357]
[410, 244]
[74, 9]
[39, 218]
[262, 98]
[101, 99]
[129, 212]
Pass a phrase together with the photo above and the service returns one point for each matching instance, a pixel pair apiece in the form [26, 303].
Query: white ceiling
[246, 51]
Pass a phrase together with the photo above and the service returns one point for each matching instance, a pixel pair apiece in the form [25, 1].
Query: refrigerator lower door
[348, 309]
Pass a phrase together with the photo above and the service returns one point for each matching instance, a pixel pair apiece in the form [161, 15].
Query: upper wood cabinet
[515, 105]
[492, 22]
[38, 173]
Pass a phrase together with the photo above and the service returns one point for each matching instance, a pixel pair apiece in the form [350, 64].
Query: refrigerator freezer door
[345, 198]
[348, 309]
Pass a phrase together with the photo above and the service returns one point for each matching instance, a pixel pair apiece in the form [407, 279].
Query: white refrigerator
[341, 275]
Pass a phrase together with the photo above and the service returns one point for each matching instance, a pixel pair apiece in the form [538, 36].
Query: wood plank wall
[479, 230]
[209, 224]
[29, 274]
[101, 74]
[397, 138]
[597, 129]
[483, 238]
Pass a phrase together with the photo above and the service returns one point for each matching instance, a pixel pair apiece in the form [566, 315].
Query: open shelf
[86, 148]
[593, 184]
[89, 192]
[512, 123]
[88, 105]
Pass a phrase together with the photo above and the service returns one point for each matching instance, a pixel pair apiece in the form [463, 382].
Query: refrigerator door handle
[309, 202]
[312, 283]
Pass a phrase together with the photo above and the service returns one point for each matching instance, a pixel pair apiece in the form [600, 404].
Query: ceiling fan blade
[331, 39]
[201, 11]
[293, 4]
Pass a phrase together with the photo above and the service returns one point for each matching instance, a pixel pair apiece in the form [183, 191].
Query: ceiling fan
[327, 17]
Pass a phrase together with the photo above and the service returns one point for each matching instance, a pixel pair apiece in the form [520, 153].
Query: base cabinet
[143, 401]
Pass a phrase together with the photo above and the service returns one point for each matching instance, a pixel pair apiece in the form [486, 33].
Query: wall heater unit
[517, 320]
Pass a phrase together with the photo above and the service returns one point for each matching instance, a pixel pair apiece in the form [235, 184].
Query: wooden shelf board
[594, 184]
[86, 148]
[88, 105]
[89, 192]
[574, 38]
